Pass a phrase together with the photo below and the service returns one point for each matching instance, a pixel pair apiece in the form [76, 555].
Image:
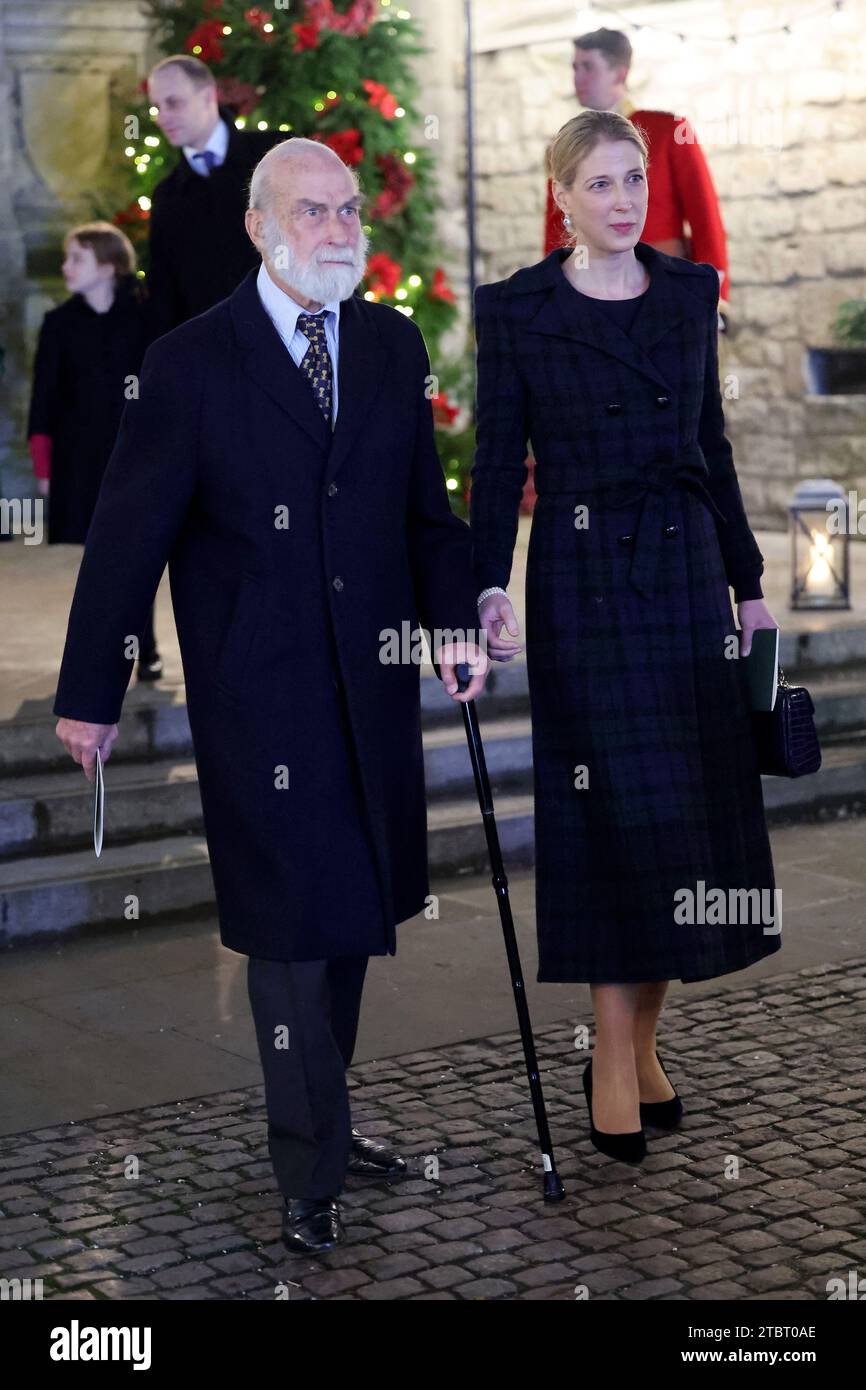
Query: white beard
[319, 282]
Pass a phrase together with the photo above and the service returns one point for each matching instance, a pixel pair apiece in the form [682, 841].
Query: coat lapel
[360, 370]
[269, 363]
[563, 313]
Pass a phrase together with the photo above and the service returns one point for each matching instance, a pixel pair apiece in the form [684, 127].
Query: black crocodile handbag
[786, 737]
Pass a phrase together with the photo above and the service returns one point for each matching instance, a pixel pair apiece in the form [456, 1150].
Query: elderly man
[281, 459]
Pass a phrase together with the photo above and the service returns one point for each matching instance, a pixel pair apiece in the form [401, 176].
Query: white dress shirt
[283, 312]
[218, 141]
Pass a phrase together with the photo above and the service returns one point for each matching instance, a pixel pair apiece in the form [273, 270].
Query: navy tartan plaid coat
[647, 791]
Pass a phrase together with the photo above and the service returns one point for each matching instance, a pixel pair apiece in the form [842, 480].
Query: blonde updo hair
[578, 138]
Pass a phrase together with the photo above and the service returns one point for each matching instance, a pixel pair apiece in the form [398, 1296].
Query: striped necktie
[316, 361]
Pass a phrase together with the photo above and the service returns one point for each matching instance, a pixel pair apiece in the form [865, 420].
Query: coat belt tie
[688, 470]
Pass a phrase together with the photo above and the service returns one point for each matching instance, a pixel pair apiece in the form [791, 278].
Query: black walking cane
[553, 1189]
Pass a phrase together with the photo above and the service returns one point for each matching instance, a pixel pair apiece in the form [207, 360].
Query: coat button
[614, 408]
[663, 401]
[338, 583]
[333, 489]
[625, 540]
[672, 530]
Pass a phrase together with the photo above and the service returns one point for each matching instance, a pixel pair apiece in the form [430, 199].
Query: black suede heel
[662, 1114]
[628, 1148]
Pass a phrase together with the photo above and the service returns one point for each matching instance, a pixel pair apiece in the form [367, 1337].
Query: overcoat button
[662, 401]
[672, 530]
[333, 489]
[625, 540]
[614, 408]
[338, 583]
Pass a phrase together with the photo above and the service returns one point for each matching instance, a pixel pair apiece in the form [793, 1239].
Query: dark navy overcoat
[646, 780]
[292, 554]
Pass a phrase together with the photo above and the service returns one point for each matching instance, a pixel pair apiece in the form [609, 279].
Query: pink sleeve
[40, 454]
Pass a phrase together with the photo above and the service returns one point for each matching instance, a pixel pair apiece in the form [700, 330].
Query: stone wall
[61, 62]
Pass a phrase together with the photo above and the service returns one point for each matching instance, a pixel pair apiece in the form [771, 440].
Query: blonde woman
[647, 793]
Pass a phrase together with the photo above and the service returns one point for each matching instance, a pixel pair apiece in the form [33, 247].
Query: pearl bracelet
[485, 593]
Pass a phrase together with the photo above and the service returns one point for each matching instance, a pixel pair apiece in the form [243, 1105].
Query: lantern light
[818, 516]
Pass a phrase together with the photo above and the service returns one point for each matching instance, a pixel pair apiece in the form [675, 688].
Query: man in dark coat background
[199, 250]
[281, 459]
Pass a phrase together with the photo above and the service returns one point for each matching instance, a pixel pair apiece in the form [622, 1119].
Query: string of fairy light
[586, 16]
[589, 14]
[142, 158]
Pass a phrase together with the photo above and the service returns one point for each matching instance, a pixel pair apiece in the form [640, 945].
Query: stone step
[155, 723]
[49, 812]
[64, 892]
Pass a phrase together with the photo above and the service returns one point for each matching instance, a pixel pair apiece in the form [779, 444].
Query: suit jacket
[199, 250]
[292, 553]
[681, 190]
[604, 410]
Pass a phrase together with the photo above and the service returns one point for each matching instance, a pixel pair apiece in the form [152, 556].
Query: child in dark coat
[87, 365]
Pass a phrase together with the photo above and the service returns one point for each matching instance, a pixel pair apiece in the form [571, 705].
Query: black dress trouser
[147, 640]
[306, 1020]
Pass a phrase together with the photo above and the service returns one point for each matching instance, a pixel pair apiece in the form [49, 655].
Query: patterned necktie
[316, 361]
[208, 158]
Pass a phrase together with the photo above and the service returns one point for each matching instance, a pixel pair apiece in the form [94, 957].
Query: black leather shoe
[629, 1147]
[312, 1224]
[150, 667]
[370, 1159]
[662, 1114]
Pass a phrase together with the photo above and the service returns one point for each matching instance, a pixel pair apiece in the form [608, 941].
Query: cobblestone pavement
[773, 1078]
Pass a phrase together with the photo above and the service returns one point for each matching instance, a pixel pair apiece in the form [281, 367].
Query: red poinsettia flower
[383, 275]
[380, 98]
[306, 36]
[440, 289]
[444, 413]
[398, 182]
[345, 143]
[354, 22]
[240, 97]
[257, 18]
[211, 6]
[207, 38]
[388, 106]
[130, 215]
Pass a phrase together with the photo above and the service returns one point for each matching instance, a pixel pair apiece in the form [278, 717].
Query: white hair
[298, 150]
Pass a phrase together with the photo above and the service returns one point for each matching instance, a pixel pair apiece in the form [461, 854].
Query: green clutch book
[762, 668]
